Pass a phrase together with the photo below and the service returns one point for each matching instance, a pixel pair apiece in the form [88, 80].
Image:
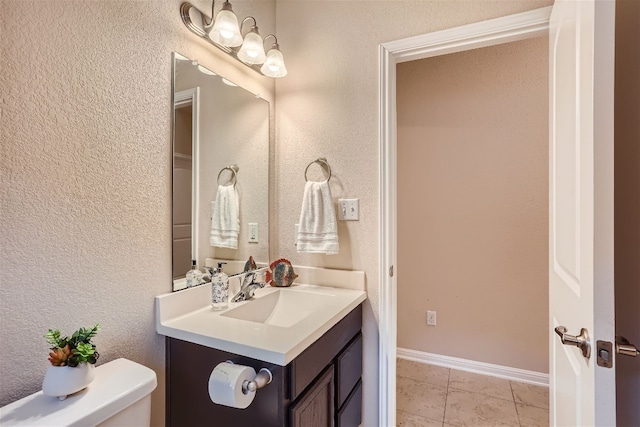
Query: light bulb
[252, 50]
[226, 31]
[206, 70]
[274, 65]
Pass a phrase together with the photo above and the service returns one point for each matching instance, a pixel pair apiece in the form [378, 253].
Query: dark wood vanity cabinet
[320, 387]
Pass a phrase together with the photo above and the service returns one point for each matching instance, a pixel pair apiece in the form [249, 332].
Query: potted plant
[72, 362]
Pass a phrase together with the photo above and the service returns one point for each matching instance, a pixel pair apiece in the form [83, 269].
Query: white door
[581, 42]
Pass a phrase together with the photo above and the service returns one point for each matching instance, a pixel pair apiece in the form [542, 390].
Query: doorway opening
[488, 33]
[185, 154]
[473, 230]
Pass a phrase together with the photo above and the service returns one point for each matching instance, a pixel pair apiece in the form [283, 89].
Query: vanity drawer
[304, 368]
[348, 369]
[351, 413]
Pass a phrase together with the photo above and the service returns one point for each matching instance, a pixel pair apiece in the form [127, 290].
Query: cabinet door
[348, 370]
[351, 413]
[311, 362]
[315, 408]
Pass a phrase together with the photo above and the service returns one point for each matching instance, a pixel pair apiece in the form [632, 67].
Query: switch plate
[253, 232]
[431, 318]
[348, 210]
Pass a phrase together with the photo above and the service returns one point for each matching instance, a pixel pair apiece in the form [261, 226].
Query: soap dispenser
[220, 289]
[193, 276]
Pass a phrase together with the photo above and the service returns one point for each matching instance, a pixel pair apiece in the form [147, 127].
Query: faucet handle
[248, 284]
[248, 279]
[251, 288]
[250, 276]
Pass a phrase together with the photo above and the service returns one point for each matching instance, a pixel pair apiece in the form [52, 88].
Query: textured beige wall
[328, 106]
[473, 203]
[627, 205]
[85, 193]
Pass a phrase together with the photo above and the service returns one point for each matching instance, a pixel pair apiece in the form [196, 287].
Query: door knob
[623, 346]
[581, 341]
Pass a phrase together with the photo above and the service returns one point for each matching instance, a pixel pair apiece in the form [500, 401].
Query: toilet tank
[118, 396]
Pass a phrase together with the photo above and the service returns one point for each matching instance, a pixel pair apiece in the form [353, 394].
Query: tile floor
[430, 395]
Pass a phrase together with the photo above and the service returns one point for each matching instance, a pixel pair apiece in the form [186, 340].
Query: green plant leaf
[53, 337]
[82, 349]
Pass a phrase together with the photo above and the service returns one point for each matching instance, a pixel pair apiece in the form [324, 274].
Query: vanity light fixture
[252, 50]
[229, 82]
[206, 71]
[274, 65]
[224, 29]
[224, 32]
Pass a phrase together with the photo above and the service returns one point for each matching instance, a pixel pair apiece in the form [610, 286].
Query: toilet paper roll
[225, 385]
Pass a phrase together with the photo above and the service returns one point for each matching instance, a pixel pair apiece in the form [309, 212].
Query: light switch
[253, 232]
[348, 210]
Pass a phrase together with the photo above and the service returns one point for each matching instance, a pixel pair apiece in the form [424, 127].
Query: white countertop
[187, 315]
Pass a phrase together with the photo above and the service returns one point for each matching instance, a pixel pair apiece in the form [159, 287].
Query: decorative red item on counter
[280, 273]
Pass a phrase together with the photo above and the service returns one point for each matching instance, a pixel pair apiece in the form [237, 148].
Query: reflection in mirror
[220, 152]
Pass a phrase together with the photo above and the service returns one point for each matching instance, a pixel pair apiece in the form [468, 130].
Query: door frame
[492, 32]
[185, 98]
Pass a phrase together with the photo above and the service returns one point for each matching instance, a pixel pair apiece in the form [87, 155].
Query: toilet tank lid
[117, 385]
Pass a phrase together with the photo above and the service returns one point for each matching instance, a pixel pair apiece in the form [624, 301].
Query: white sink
[275, 326]
[283, 307]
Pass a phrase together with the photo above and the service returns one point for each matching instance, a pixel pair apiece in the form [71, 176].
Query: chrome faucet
[249, 285]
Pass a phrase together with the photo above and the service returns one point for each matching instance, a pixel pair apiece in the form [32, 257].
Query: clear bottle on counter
[220, 289]
[194, 276]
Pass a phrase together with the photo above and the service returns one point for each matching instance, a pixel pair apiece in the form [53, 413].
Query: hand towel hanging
[225, 220]
[318, 230]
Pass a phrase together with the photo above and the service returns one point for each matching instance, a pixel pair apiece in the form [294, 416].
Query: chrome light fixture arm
[275, 40]
[208, 25]
[255, 24]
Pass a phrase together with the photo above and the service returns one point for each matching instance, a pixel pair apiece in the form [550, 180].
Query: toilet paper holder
[262, 378]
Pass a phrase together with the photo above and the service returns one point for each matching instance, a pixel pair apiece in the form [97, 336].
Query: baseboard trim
[506, 372]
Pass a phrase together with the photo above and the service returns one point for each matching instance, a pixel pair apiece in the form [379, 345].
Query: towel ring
[320, 161]
[234, 170]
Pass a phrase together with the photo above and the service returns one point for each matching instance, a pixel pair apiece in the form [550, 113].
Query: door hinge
[391, 271]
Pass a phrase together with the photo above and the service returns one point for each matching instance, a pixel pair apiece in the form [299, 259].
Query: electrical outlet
[431, 318]
[253, 232]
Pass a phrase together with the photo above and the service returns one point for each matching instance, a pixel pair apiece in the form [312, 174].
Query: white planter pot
[61, 381]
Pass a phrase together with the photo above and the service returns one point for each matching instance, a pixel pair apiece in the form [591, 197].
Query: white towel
[225, 220]
[318, 230]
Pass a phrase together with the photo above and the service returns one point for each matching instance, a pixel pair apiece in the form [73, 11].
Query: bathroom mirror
[220, 138]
